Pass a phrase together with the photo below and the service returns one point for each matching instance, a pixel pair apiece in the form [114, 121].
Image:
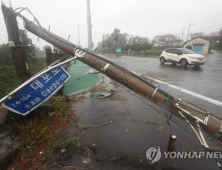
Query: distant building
[212, 37]
[199, 45]
[166, 40]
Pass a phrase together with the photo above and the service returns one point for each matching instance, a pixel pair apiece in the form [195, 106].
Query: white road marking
[218, 103]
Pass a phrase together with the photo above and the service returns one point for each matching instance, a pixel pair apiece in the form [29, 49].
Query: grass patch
[36, 64]
[39, 134]
[8, 79]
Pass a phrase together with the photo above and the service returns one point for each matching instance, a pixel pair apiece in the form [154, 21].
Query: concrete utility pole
[189, 30]
[89, 27]
[48, 52]
[79, 33]
[182, 34]
[17, 50]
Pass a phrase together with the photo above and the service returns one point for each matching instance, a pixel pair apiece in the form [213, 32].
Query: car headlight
[192, 57]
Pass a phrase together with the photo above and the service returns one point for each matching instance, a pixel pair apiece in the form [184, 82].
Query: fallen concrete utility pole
[200, 118]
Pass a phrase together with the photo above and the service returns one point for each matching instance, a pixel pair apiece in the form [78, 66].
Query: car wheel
[183, 63]
[162, 60]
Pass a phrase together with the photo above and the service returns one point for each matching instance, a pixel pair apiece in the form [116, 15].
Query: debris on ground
[117, 98]
[151, 122]
[103, 94]
[93, 71]
[75, 99]
[97, 89]
[86, 161]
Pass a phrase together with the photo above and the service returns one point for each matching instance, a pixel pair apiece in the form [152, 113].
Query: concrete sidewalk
[80, 80]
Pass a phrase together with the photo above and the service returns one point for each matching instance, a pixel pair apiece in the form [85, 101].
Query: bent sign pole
[209, 123]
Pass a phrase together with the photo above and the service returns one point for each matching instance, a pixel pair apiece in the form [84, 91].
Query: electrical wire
[208, 18]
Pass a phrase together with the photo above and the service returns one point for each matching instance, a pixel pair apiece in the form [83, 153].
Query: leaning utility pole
[14, 40]
[89, 26]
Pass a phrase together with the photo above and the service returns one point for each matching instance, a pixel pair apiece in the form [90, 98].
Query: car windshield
[186, 51]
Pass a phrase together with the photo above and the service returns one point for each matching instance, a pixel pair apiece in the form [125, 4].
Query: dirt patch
[3, 112]
[97, 89]
[74, 99]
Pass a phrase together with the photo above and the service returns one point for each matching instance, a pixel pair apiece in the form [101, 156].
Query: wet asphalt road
[123, 144]
[205, 80]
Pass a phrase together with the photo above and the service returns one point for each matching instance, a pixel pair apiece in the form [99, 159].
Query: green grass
[8, 80]
[36, 64]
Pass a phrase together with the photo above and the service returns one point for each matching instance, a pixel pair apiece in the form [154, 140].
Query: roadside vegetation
[130, 45]
[218, 45]
[111, 41]
[8, 78]
[152, 52]
[38, 131]
[39, 135]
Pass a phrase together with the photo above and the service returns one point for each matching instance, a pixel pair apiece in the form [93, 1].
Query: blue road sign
[118, 50]
[37, 91]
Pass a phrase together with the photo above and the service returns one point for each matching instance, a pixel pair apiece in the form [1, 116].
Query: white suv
[183, 56]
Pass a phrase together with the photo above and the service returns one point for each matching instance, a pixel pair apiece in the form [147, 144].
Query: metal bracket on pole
[200, 135]
[188, 113]
[154, 92]
[204, 143]
[106, 66]
[206, 119]
[79, 53]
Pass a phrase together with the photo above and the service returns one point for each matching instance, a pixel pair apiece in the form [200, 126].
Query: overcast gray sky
[145, 18]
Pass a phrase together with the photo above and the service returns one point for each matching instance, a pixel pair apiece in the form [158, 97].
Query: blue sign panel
[118, 50]
[37, 91]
